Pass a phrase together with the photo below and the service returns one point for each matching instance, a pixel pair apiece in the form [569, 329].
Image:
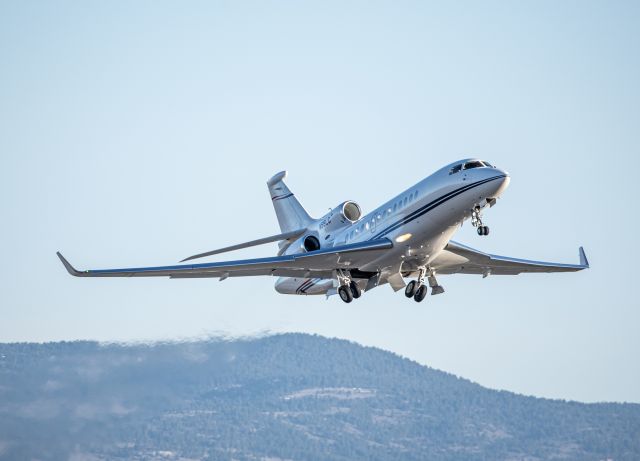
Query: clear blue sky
[138, 133]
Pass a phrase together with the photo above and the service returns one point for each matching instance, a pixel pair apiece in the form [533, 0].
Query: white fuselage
[420, 221]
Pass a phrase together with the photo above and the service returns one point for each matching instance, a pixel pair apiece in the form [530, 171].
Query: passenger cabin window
[456, 169]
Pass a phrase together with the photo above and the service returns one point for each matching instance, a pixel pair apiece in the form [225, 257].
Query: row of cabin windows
[380, 215]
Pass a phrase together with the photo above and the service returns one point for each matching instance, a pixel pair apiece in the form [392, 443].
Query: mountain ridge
[284, 396]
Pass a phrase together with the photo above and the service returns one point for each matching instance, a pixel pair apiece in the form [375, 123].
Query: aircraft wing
[461, 259]
[318, 263]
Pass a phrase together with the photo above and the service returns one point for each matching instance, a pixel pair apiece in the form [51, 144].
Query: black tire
[355, 290]
[486, 230]
[420, 293]
[411, 288]
[480, 230]
[345, 294]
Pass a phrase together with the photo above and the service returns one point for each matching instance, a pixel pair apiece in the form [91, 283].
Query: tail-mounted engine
[341, 216]
[321, 232]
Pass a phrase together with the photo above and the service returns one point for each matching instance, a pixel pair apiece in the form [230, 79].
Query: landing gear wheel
[483, 230]
[356, 292]
[420, 294]
[486, 230]
[411, 288]
[345, 293]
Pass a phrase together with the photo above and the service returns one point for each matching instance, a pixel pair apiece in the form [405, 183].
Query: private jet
[346, 253]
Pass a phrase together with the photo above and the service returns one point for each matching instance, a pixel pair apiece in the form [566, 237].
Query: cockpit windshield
[474, 164]
[469, 165]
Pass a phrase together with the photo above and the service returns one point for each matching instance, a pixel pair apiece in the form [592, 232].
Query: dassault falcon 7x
[346, 253]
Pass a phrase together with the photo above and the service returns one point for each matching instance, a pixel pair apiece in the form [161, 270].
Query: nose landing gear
[476, 221]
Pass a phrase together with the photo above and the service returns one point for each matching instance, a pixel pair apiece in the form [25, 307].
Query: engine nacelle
[321, 232]
[341, 216]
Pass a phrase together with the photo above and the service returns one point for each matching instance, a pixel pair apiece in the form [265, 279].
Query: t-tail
[291, 215]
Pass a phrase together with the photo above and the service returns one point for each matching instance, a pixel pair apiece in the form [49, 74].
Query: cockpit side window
[487, 164]
[456, 169]
[474, 164]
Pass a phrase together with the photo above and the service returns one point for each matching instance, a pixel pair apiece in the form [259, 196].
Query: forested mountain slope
[290, 396]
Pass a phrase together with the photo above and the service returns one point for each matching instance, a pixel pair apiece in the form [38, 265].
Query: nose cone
[502, 183]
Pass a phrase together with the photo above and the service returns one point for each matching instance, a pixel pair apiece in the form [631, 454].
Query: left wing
[318, 263]
[461, 259]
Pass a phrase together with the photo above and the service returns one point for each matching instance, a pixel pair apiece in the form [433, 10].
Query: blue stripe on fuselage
[431, 205]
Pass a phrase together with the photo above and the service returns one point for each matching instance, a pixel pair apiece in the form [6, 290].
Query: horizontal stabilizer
[274, 238]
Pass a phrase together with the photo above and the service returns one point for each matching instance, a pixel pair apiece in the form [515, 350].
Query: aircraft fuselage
[420, 221]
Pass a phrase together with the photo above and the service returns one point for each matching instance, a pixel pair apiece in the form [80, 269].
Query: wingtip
[583, 258]
[67, 265]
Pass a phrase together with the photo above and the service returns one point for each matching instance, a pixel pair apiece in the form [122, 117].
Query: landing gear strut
[476, 221]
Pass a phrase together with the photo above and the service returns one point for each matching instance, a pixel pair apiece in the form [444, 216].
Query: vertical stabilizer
[291, 215]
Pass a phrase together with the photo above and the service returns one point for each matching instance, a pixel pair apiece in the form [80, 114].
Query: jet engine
[321, 232]
[341, 216]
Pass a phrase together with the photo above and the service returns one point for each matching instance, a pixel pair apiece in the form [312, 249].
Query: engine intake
[311, 243]
[341, 216]
[351, 211]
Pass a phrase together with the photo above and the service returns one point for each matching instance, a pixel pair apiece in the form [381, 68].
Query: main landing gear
[348, 289]
[417, 289]
[476, 221]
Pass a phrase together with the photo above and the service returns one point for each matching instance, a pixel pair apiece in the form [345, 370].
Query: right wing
[320, 264]
[461, 259]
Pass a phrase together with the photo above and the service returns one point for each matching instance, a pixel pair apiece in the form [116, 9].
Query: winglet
[583, 258]
[70, 269]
